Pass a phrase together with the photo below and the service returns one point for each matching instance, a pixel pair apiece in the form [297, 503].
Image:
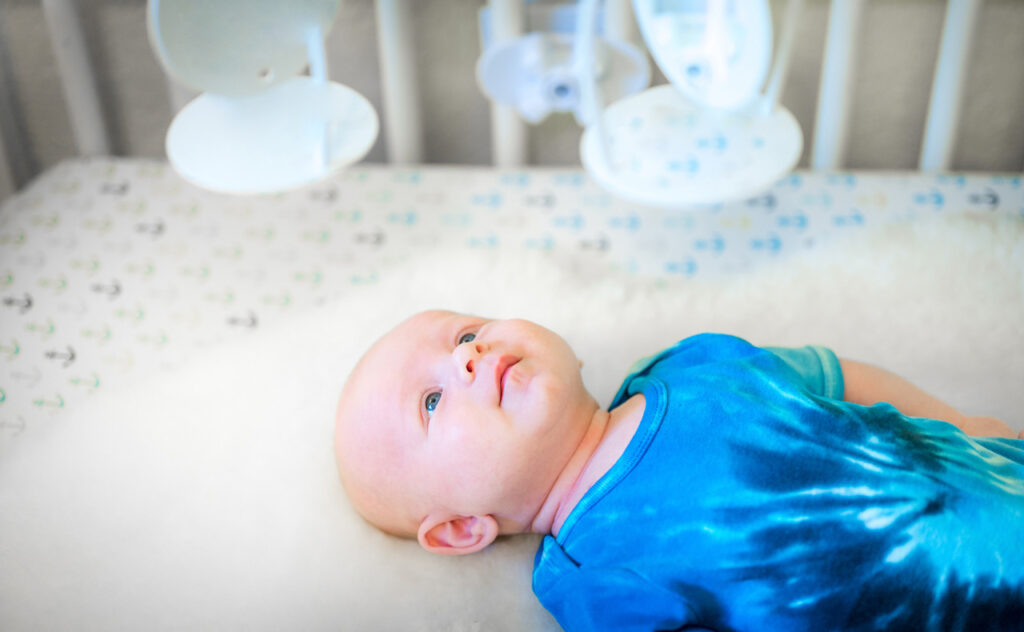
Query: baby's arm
[866, 384]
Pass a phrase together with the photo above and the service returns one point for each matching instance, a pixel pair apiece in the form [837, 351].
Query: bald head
[365, 448]
[450, 416]
[376, 444]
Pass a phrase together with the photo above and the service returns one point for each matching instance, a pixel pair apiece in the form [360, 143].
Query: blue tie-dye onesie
[753, 498]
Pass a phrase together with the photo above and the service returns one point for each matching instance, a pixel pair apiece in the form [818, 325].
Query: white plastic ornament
[663, 151]
[538, 73]
[715, 52]
[693, 142]
[259, 127]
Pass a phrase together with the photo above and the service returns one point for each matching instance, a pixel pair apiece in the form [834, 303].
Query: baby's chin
[549, 398]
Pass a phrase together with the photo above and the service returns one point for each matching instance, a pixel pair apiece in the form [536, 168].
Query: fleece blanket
[206, 498]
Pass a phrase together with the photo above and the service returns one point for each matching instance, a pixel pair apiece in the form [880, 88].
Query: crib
[145, 323]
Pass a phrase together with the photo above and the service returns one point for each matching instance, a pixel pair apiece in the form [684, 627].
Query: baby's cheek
[465, 443]
[549, 396]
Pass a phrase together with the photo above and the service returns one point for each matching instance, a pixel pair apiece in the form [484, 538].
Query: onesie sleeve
[818, 367]
[601, 598]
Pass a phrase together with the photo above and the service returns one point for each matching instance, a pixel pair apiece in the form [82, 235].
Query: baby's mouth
[501, 372]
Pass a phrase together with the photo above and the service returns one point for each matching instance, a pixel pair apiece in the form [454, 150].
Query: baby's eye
[467, 337]
[431, 401]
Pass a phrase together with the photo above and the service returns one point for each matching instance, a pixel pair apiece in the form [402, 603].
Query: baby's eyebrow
[465, 320]
[409, 400]
[449, 329]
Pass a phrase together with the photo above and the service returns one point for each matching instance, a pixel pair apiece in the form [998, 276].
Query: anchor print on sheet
[111, 289]
[228, 255]
[249, 320]
[988, 199]
[21, 303]
[154, 229]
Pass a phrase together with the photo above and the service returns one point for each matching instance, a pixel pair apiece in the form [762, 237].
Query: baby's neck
[602, 445]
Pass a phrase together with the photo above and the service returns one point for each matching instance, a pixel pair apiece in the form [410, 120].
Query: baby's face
[457, 413]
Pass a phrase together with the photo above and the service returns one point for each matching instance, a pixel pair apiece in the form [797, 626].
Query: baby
[728, 487]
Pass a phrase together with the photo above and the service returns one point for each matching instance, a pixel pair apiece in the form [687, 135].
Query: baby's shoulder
[704, 348]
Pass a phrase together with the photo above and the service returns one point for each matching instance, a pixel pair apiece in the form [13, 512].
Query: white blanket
[207, 498]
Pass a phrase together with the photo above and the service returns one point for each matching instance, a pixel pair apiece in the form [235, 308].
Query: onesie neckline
[655, 394]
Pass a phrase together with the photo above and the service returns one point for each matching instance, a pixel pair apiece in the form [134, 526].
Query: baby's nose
[467, 356]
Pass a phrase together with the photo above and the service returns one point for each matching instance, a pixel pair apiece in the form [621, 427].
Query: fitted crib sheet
[114, 268]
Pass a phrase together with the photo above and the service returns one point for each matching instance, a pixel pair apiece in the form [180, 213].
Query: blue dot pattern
[115, 266]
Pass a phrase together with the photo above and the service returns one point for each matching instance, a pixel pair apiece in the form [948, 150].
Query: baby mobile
[710, 135]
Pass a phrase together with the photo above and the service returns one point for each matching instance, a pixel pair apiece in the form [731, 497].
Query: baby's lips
[505, 362]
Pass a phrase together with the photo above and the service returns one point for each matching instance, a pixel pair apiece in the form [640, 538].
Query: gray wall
[898, 44]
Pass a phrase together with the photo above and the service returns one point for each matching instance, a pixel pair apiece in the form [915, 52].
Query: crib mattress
[111, 269]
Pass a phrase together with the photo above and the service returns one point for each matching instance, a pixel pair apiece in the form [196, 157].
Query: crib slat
[619, 23]
[508, 131]
[6, 176]
[17, 164]
[395, 41]
[784, 52]
[832, 122]
[178, 94]
[77, 77]
[947, 88]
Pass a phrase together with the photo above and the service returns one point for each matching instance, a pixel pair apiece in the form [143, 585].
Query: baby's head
[453, 429]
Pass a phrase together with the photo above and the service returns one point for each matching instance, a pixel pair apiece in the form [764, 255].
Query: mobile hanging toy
[259, 126]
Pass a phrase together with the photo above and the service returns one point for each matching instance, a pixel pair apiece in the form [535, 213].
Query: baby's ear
[448, 534]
